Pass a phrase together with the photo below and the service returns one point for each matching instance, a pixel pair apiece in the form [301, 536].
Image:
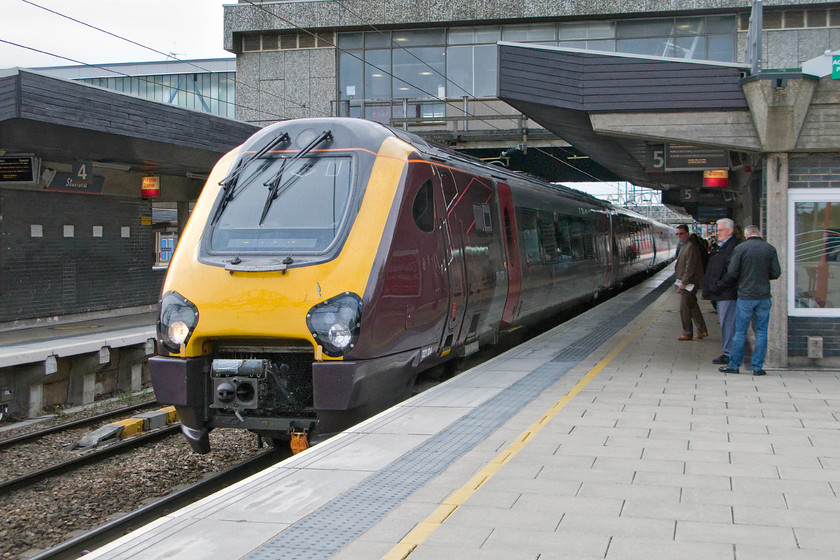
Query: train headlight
[176, 320]
[335, 323]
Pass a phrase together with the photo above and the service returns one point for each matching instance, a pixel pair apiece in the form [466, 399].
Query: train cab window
[423, 209]
[275, 208]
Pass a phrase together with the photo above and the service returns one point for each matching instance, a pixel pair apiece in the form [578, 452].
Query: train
[329, 261]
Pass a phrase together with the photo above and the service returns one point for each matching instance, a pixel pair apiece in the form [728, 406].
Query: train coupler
[299, 440]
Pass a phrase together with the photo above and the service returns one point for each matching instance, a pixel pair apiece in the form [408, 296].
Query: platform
[70, 355]
[38, 343]
[602, 438]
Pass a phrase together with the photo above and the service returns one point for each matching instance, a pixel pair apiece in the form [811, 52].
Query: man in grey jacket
[753, 264]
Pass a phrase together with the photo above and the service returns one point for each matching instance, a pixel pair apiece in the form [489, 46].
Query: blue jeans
[747, 310]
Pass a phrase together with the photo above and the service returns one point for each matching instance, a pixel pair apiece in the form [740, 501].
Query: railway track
[73, 424]
[87, 458]
[112, 530]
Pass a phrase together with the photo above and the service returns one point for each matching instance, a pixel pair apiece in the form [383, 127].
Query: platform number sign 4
[82, 172]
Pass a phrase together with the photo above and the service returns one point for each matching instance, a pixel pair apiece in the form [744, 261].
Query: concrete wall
[288, 84]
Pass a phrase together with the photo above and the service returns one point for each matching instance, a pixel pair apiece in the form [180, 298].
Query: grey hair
[752, 231]
[726, 223]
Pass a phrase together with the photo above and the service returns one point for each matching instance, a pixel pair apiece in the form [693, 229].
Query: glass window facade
[208, 92]
[814, 262]
[453, 63]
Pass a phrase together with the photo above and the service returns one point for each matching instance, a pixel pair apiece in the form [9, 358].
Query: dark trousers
[690, 312]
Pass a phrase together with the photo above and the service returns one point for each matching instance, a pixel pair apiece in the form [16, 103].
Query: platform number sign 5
[655, 158]
[82, 172]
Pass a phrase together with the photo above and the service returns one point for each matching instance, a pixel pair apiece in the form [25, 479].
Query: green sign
[835, 67]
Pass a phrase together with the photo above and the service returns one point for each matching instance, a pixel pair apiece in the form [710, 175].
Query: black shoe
[759, 372]
[727, 369]
[723, 359]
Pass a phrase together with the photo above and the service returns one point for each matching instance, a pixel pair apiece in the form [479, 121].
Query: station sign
[716, 197]
[69, 182]
[19, 169]
[150, 187]
[709, 214]
[689, 196]
[684, 157]
[835, 67]
[716, 178]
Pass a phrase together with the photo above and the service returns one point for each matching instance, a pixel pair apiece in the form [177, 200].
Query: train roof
[445, 153]
[371, 132]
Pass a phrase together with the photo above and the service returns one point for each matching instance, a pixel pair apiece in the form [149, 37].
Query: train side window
[530, 237]
[423, 209]
[548, 240]
[564, 246]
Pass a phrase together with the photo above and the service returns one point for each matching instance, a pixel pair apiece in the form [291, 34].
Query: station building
[729, 108]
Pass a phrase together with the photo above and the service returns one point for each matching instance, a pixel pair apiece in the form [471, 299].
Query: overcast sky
[188, 28]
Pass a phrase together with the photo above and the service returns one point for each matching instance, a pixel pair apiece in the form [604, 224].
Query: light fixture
[115, 166]
[199, 176]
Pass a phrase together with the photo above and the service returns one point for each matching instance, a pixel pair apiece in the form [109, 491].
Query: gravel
[62, 507]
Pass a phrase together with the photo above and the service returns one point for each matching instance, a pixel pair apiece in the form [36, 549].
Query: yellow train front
[261, 311]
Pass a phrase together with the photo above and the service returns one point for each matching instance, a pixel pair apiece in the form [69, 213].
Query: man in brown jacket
[689, 272]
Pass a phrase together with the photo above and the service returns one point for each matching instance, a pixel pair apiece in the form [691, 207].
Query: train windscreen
[284, 206]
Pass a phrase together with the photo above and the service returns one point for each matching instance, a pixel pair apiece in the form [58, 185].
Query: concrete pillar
[776, 173]
[28, 389]
[81, 387]
[131, 368]
[36, 400]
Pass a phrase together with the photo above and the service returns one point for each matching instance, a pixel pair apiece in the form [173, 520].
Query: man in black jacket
[754, 263]
[720, 289]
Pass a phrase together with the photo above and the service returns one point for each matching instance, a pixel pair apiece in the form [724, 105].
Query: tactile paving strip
[326, 531]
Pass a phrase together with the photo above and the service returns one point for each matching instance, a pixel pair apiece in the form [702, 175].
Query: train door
[454, 261]
[511, 253]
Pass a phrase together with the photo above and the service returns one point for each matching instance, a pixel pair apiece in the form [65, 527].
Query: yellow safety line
[425, 528]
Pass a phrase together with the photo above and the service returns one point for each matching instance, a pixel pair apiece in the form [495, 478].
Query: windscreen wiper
[228, 184]
[274, 183]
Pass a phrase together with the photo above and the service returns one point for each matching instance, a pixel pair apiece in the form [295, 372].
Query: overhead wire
[166, 55]
[121, 74]
[285, 100]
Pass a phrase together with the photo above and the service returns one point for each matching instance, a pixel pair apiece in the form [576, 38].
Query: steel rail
[73, 548]
[88, 458]
[70, 425]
